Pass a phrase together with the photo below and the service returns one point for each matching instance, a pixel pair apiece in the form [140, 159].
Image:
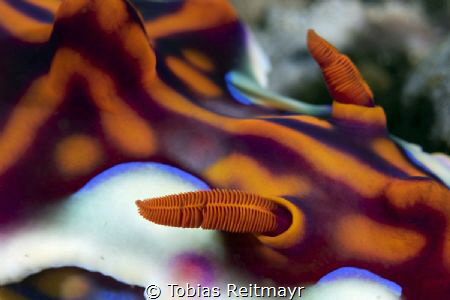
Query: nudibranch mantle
[88, 85]
[80, 229]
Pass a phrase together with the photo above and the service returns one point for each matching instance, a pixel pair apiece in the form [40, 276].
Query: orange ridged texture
[343, 79]
[227, 210]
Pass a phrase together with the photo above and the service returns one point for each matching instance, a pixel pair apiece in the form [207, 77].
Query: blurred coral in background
[401, 47]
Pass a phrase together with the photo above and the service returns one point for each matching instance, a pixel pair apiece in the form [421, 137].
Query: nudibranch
[105, 102]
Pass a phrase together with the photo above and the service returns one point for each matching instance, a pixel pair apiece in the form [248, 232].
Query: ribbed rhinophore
[343, 79]
[227, 210]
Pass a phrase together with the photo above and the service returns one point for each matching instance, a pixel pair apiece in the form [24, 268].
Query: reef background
[401, 47]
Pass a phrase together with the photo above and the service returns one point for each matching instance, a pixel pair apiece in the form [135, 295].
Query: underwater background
[400, 47]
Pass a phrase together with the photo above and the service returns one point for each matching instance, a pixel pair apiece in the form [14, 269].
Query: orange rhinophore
[343, 79]
[228, 210]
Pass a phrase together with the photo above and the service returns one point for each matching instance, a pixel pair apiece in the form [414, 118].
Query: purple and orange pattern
[89, 84]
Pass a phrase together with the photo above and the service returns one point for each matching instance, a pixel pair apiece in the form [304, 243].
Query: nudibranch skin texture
[89, 84]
